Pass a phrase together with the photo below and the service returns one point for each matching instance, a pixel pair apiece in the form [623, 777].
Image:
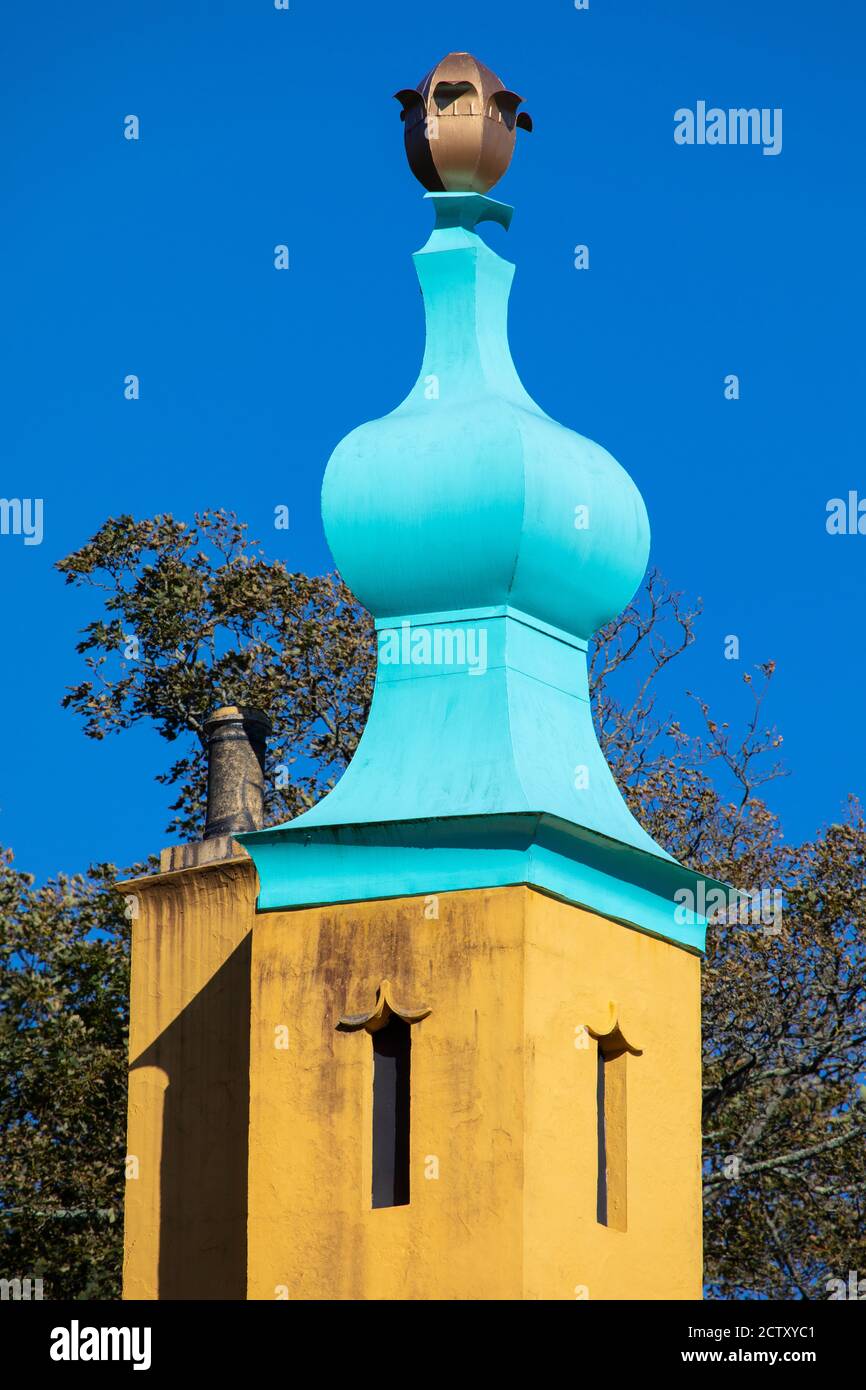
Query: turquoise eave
[463, 737]
[305, 867]
[466, 780]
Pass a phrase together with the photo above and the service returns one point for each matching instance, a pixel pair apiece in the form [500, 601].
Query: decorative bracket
[609, 1031]
[378, 1018]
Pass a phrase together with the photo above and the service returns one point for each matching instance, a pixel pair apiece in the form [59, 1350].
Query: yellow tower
[438, 1037]
[549, 1145]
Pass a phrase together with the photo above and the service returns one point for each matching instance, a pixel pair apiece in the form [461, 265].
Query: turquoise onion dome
[489, 543]
[468, 496]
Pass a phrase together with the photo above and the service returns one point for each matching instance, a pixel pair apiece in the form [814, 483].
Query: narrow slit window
[391, 1098]
[610, 1099]
[601, 1189]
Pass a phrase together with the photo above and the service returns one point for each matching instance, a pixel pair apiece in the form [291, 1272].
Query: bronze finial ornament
[460, 126]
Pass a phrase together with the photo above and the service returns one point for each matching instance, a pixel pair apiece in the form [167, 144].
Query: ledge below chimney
[191, 856]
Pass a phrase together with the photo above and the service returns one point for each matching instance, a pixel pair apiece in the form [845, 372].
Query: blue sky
[261, 127]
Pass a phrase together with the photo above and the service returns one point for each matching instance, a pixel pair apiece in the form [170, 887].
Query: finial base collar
[466, 210]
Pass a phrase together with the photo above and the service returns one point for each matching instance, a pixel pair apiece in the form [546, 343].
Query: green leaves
[196, 616]
[64, 966]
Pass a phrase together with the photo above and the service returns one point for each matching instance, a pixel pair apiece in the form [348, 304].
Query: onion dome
[468, 495]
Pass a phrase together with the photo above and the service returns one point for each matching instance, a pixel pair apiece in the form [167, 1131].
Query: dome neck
[466, 287]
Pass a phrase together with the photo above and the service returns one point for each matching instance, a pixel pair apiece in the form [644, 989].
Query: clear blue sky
[260, 126]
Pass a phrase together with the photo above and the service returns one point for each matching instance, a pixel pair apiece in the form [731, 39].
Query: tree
[196, 616]
[64, 989]
[784, 1033]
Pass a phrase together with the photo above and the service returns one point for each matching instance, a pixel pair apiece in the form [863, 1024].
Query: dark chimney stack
[235, 737]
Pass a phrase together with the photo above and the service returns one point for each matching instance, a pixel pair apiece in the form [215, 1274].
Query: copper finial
[460, 126]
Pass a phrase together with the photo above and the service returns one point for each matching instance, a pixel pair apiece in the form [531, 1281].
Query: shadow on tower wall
[205, 1054]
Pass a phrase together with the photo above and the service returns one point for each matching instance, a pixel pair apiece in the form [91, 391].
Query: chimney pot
[236, 736]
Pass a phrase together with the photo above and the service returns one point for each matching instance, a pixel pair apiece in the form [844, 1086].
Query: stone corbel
[379, 1016]
[609, 1033]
